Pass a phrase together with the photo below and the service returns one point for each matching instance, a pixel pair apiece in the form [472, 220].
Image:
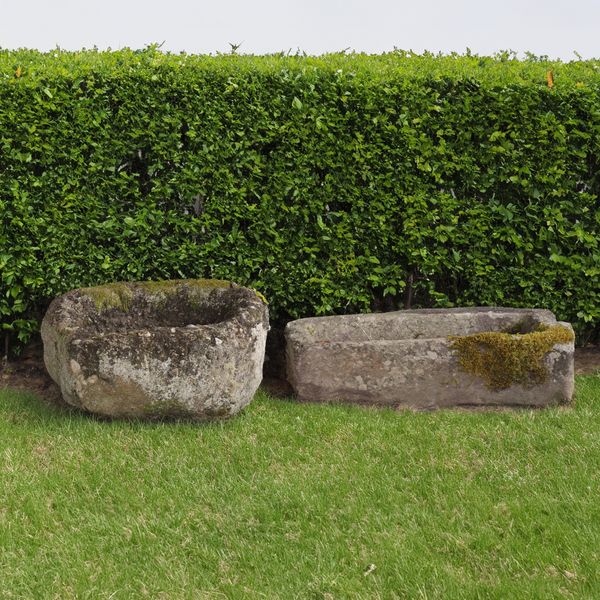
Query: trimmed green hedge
[332, 184]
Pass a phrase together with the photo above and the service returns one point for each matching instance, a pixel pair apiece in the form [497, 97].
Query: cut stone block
[187, 348]
[431, 358]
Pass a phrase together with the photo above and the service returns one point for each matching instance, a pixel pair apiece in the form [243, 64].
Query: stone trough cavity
[431, 358]
[182, 348]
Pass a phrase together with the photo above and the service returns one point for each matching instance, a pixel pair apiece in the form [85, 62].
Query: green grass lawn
[302, 501]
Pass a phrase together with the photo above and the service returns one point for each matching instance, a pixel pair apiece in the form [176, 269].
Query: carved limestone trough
[425, 359]
[188, 348]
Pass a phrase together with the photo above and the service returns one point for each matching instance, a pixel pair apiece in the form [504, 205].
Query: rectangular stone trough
[431, 358]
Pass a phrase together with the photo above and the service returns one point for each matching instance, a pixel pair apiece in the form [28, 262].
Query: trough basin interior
[140, 308]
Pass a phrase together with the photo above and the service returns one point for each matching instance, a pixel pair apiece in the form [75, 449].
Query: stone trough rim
[294, 328]
[146, 288]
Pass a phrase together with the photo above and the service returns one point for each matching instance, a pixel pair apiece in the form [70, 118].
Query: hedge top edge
[503, 68]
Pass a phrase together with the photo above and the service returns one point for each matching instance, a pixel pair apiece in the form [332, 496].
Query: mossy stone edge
[505, 359]
[120, 295]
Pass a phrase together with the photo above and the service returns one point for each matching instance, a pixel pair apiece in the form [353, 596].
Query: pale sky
[553, 27]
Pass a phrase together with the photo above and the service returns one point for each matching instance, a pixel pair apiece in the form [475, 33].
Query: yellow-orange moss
[505, 359]
[261, 296]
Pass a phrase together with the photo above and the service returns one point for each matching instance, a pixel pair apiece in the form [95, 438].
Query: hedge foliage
[332, 184]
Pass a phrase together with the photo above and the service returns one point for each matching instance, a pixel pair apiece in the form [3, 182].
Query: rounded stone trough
[182, 348]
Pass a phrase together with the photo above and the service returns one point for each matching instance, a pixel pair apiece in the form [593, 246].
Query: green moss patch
[111, 295]
[505, 359]
[120, 295]
[171, 286]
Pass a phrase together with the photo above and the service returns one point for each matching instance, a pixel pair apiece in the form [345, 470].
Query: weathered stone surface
[187, 348]
[408, 359]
